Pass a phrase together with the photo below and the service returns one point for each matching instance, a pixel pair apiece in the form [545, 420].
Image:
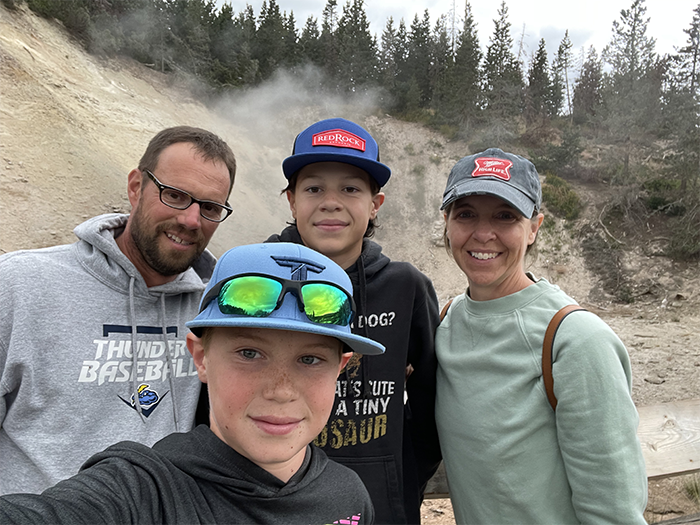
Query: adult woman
[511, 458]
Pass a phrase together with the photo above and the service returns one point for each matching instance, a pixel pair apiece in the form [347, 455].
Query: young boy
[272, 335]
[382, 425]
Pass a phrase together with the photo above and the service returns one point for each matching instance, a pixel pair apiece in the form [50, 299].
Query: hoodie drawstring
[362, 289]
[134, 350]
[171, 364]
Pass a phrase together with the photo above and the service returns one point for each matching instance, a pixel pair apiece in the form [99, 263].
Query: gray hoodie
[69, 317]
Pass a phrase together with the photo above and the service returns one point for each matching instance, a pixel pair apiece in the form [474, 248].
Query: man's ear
[196, 348]
[133, 186]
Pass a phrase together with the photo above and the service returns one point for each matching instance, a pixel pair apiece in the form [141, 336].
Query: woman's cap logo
[492, 167]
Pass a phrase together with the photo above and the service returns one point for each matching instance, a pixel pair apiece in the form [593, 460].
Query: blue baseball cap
[285, 261]
[337, 140]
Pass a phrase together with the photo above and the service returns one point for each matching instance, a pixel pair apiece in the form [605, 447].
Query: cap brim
[497, 188]
[357, 343]
[287, 317]
[378, 171]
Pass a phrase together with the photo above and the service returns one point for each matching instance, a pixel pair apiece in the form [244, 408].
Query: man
[70, 384]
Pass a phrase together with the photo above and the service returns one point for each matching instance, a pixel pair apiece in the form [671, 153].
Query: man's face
[167, 240]
[270, 391]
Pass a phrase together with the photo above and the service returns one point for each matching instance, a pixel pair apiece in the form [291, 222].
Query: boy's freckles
[271, 391]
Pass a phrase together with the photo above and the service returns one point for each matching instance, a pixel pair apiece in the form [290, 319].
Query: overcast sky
[589, 21]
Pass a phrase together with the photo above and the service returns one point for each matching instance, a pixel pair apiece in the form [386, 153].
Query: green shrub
[560, 197]
[692, 489]
[408, 148]
[418, 170]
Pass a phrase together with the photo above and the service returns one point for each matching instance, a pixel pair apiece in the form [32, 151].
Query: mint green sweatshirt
[509, 457]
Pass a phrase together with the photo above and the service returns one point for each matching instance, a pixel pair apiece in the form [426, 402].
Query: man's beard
[147, 244]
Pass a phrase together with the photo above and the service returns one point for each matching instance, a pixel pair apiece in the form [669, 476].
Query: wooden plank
[683, 520]
[670, 438]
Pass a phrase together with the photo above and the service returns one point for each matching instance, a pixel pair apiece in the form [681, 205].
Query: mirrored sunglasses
[255, 295]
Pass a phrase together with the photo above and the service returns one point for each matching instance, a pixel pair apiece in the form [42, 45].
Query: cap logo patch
[299, 267]
[339, 138]
[492, 167]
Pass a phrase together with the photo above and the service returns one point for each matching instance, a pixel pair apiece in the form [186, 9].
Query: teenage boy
[272, 335]
[382, 425]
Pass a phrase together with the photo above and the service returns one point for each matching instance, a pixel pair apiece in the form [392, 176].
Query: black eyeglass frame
[287, 286]
[226, 207]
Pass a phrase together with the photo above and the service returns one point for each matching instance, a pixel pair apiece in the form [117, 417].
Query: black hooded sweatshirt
[392, 445]
[193, 478]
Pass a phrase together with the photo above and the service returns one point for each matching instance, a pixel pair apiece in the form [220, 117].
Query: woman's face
[488, 239]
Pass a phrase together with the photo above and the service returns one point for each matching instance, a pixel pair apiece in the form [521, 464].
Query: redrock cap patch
[281, 286]
[337, 140]
[507, 176]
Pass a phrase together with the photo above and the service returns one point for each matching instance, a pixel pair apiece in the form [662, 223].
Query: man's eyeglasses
[256, 295]
[181, 200]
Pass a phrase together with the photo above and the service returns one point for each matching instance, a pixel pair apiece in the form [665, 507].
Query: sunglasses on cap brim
[256, 295]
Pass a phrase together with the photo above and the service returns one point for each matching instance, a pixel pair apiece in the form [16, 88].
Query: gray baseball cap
[507, 176]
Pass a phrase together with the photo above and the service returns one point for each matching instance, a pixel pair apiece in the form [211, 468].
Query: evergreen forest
[623, 115]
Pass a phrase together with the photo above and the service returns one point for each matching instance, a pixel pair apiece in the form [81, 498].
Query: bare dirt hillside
[73, 125]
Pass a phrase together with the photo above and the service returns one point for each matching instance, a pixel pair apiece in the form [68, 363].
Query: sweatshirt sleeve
[597, 422]
[421, 383]
[124, 484]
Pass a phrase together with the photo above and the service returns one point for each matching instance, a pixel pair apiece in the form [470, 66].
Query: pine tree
[682, 111]
[189, 22]
[388, 69]
[538, 94]
[634, 82]
[561, 87]
[588, 100]
[441, 61]
[462, 103]
[290, 41]
[394, 75]
[357, 47]
[419, 58]
[329, 43]
[269, 49]
[688, 58]
[503, 83]
[310, 44]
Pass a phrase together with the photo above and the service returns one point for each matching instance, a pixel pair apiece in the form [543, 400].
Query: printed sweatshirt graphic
[71, 383]
[195, 478]
[383, 426]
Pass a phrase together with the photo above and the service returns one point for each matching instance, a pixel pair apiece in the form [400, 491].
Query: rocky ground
[73, 125]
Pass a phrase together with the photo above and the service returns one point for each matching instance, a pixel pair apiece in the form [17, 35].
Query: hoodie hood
[99, 254]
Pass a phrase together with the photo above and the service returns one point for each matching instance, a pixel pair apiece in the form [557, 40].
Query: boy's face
[332, 204]
[270, 391]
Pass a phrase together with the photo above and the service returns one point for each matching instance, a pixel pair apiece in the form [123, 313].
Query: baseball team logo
[147, 398]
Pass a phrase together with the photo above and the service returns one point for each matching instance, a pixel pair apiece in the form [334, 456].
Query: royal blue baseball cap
[289, 261]
[337, 140]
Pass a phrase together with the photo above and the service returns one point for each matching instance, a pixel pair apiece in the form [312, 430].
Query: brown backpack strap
[443, 312]
[547, 350]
